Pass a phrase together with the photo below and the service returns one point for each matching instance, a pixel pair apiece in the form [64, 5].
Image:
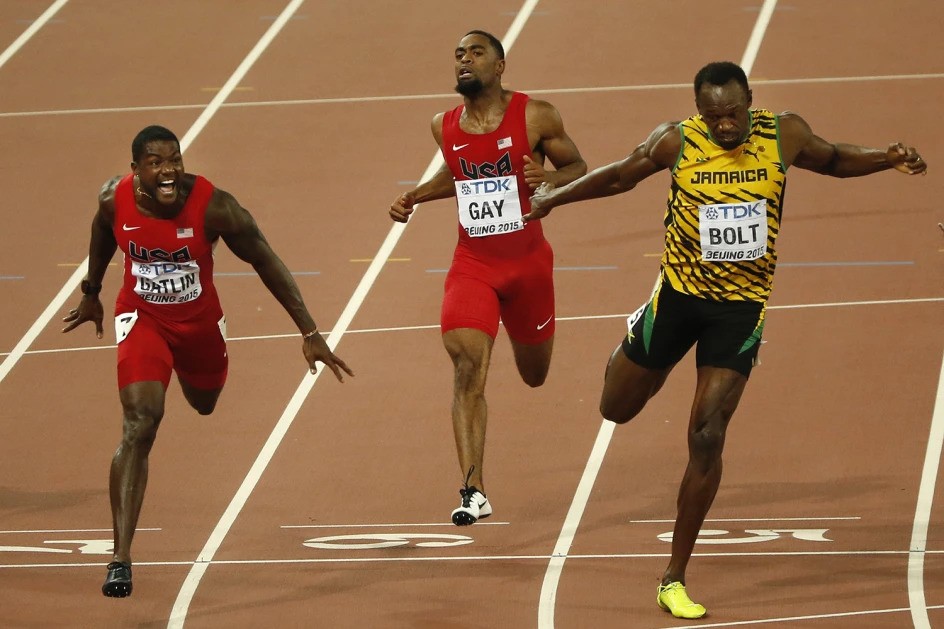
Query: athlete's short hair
[719, 73]
[494, 41]
[153, 133]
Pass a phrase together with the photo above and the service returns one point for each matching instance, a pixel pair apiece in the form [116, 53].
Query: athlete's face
[160, 171]
[477, 65]
[726, 111]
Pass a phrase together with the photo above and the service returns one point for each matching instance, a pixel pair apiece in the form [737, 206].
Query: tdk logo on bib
[487, 186]
[736, 212]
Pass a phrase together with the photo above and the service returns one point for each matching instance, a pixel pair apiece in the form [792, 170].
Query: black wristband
[92, 290]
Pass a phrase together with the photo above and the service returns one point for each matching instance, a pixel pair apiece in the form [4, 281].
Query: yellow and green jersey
[723, 213]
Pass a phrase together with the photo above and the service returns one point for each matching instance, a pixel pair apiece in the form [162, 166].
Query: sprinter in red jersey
[495, 145]
[168, 316]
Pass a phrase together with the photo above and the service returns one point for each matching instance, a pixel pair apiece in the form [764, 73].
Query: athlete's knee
[706, 442]
[204, 404]
[469, 376]
[140, 424]
[619, 411]
[534, 377]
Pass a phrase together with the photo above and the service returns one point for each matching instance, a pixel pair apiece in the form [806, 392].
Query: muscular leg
[533, 361]
[470, 351]
[717, 394]
[143, 404]
[627, 387]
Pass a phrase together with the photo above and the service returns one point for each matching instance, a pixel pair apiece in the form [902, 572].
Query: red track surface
[835, 424]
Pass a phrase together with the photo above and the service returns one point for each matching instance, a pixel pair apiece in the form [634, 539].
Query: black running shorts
[727, 333]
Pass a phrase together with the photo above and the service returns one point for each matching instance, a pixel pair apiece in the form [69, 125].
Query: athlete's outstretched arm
[102, 247]
[226, 219]
[658, 152]
[804, 149]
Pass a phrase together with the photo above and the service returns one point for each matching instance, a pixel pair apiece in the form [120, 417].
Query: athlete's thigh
[200, 357]
[144, 353]
[469, 298]
[527, 299]
[628, 386]
[663, 330]
[731, 335]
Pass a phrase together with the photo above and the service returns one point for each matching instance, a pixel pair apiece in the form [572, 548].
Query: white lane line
[581, 496]
[187, 590]
[393, 558]
[182, 603]
[569, 529]
[757, 36]
[435, 326]
[411, 97]
[768, 621]
[707, 520]
[33, 28]
[922, 518]
[370, 526]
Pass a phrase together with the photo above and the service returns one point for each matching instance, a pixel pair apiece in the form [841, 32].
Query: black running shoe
[118, 582]
[473, 507]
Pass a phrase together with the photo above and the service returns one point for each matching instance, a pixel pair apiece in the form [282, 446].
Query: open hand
[89, 309]
[315, 349]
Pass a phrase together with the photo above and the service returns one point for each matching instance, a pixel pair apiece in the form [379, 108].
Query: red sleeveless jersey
[499, 154]
[168, 263]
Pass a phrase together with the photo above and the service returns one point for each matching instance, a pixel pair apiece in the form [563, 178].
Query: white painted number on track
[386, 540]
[716, 536]
[84, 547]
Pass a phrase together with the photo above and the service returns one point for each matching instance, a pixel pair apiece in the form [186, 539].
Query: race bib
[167, 282]
[733, 232]
[489, 206]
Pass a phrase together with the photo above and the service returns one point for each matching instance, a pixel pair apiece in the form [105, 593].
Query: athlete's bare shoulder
[542, 114]
[221, 204]
[792, 124]
[795, 133]
[664, 144]
[436, 126]
[107, 192]
[106, 198]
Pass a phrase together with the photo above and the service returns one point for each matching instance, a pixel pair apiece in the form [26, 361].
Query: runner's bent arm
[805, 149]
[658, 152]
[545, 121]
[439, 186]
[225, 218]
[102, 247]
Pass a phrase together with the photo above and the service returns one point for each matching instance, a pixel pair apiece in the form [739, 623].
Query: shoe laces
[468, 491]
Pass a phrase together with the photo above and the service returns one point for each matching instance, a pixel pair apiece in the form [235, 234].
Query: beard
[470, 87]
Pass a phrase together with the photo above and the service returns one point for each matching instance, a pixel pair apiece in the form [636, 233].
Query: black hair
[153, 133]
[719, 73]
[494, 41]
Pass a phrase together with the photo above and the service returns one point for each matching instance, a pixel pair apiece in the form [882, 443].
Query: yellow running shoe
[673, 598]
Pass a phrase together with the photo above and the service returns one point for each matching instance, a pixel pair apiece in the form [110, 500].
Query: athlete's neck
[485, 110]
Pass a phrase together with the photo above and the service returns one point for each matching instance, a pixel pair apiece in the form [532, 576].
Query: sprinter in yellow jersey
[728, 166]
